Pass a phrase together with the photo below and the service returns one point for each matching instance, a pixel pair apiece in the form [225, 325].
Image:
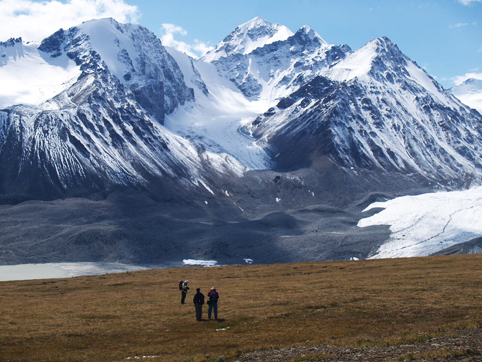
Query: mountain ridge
[269, 146]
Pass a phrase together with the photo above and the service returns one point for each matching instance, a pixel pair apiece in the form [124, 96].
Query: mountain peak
[249, 36]
[256, 22]
[470, 93]
[383, 45]
[11, 42]
[473, 83]
[309, 34]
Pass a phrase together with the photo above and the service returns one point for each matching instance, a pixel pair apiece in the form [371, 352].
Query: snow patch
[356, 65]
[195, 262]
[425, 81]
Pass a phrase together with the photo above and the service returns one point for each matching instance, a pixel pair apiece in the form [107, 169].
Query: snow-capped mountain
[104, 127]
[470, 92]
[270, 145]
[376, 109]
[275, 69]
[129, 52]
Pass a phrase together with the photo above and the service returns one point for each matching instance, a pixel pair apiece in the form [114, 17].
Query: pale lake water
[68, 270]
[65, 270]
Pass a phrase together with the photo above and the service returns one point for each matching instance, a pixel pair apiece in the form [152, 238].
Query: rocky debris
[453, 345]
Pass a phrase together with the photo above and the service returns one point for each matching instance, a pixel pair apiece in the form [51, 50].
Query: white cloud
[33, 20]
[462, 78]
[468, 2]
[462, 25]
[459, 25]
[195, 50]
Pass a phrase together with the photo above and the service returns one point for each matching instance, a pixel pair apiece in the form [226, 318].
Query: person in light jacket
[198, 301]
[184, 289]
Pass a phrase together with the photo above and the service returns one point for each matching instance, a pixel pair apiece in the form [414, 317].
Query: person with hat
[213, 297]
[198, 301]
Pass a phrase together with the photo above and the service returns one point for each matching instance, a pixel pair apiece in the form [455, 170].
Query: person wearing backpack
[183, 287]
[198, 301]
[213, 297]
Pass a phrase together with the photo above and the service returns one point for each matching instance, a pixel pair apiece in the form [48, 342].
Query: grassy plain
[120, 317]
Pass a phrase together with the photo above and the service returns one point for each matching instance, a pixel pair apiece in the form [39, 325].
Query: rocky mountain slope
[269, 147]
[104, 129]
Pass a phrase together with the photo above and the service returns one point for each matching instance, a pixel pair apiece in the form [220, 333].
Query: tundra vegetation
[137, 315]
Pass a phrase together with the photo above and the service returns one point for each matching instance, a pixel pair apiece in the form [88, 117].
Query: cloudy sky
[442, 36]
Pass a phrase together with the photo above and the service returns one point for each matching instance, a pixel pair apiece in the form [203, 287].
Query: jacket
[215, 296]
[198, 298]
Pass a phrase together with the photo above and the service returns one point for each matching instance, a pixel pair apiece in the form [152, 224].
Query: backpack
[213, 297]
[180, 285]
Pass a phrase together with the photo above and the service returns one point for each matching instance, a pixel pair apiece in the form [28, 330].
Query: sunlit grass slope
[119, 317]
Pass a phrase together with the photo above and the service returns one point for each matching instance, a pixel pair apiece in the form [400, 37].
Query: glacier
[422, 225]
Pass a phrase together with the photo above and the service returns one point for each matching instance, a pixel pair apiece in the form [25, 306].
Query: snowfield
[425, 224]
[32, 77]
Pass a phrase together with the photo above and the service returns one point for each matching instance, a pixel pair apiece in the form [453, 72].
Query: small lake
[66, 270]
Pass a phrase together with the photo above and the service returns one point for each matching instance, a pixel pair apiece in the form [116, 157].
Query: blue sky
[443, 36]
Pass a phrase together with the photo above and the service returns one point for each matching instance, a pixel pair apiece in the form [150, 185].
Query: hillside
[415, 308]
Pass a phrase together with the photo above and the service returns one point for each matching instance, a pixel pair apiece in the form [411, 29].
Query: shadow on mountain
[473, 246]
[271, 218]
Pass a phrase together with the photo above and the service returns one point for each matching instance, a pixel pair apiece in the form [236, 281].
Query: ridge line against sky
[444, 37]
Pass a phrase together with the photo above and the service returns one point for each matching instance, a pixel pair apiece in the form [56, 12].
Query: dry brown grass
[119, 317]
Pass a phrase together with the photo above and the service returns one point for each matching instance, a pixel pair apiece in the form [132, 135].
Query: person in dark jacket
[213, 297]
[198, 301]
[184, 289]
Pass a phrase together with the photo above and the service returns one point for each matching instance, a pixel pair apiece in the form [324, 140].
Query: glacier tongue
[217, 119]
[425, 224]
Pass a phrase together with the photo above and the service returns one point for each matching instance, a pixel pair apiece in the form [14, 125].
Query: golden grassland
[119, 317]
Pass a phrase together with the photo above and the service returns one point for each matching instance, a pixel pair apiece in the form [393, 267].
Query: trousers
[199, 311]
[213, 306]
